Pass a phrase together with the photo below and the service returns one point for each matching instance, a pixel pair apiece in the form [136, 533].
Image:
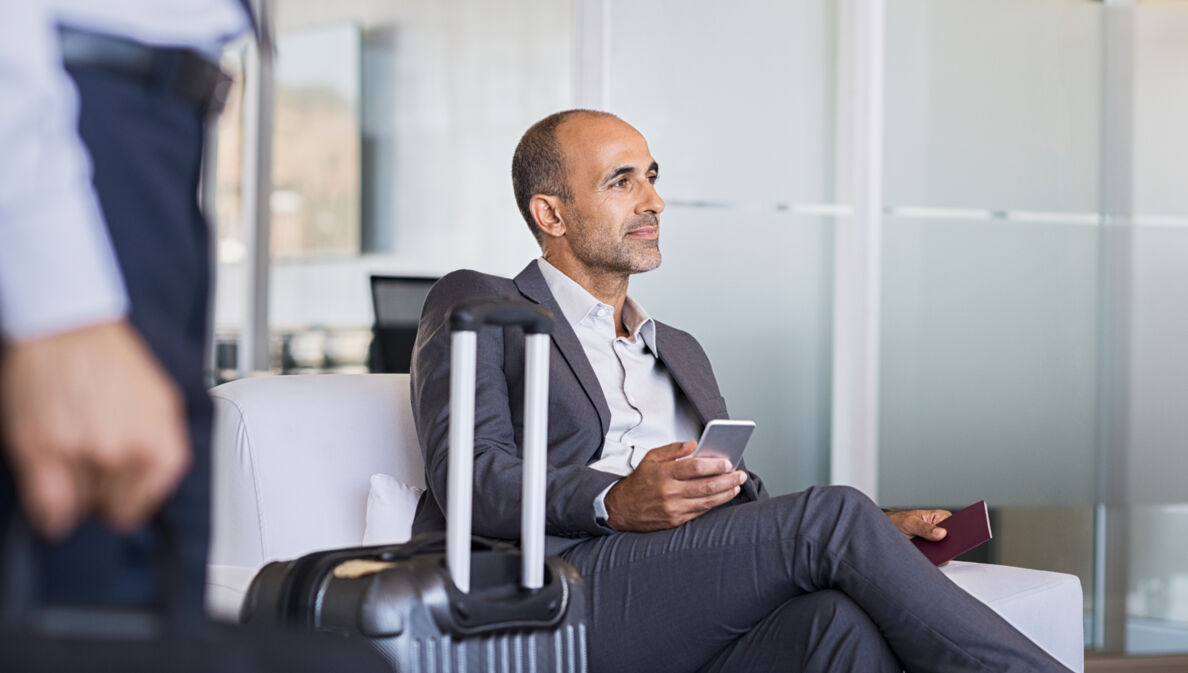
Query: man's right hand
[664, 492]
[92, 426]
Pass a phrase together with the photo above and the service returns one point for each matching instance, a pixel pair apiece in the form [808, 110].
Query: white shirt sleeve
[57, 267]
[600, 513]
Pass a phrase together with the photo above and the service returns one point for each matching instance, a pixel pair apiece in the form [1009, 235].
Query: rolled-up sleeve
[57, 267]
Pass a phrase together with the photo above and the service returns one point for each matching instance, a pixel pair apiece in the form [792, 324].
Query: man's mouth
[648, 229]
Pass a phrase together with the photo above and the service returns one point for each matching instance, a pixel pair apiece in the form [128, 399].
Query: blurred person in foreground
[104, 277]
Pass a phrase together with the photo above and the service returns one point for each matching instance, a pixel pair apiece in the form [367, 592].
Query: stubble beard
[623, 254]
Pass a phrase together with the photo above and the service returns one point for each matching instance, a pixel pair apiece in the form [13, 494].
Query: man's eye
[653, 178]
[622, 182]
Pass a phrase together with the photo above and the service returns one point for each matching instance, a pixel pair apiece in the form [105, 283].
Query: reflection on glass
[315, 167]
[1157, 596]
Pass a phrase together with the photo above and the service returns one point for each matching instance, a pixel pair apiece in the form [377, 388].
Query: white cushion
[1045, 606]
[391, 504]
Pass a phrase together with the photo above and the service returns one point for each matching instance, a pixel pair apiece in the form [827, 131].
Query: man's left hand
[921, 523]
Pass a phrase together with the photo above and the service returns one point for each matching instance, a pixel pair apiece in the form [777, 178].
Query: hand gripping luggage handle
[465, 321]
[24, 611]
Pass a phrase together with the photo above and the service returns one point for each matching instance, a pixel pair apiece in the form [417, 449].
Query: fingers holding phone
[726, 439]
[670, 487]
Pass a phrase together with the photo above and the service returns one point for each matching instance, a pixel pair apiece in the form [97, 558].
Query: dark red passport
[967, 529]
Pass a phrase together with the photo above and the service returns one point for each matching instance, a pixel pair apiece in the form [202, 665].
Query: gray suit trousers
[814, 581]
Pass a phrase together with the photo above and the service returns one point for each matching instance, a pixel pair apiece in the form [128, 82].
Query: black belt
[181, 73]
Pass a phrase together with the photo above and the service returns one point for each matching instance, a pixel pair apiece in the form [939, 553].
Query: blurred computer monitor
[397, 302]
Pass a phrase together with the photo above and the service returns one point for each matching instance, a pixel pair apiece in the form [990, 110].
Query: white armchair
[293, 460]
[293, 457]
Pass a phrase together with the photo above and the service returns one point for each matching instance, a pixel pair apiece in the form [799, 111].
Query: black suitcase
[451, 602]
[173, 636]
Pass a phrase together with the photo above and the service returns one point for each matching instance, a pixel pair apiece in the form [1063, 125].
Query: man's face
[612, 223]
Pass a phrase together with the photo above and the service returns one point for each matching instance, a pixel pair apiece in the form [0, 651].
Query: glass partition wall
[1031, 226]
[1035, 255]
[746, 164]
[1151, 451]
[989, 355]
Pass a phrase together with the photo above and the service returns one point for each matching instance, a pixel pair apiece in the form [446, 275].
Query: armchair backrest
[292, 458]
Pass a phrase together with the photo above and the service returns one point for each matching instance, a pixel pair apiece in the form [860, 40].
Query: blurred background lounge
[958, 228]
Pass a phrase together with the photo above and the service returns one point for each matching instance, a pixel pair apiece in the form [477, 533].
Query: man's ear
[546, 210]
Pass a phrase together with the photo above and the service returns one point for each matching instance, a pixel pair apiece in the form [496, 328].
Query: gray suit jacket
[578, 413]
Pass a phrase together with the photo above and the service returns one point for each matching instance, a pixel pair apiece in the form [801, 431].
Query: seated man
[689, 565]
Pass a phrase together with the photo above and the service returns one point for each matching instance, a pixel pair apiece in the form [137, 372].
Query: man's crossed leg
[815, 581]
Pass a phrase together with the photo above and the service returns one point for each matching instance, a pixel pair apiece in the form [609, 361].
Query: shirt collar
[577, 303]
[640, 324]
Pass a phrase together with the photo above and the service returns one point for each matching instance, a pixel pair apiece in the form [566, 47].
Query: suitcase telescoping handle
[466, 319]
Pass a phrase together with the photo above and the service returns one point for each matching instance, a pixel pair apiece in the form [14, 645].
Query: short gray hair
[538, 165]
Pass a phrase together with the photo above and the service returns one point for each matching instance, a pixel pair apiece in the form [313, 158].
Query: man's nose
[652, 203]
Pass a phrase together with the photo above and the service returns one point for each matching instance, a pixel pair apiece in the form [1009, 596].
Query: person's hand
[921, 523]
[665, 493]
[91, 426]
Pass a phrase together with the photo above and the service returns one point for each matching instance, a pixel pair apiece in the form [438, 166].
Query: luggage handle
[427, 543]
[469, 316]
[21, 603]
[465, 321]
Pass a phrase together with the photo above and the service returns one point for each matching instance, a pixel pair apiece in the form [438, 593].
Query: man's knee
[841, 631]
[844, 499]
[834, 611]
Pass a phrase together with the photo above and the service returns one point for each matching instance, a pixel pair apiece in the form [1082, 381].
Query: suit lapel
[687, 378]
[532, 285]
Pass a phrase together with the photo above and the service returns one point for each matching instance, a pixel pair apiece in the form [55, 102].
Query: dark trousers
[817, 581]
[146, 149]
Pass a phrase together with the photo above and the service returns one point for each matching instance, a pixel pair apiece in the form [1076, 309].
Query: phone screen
[725, 439]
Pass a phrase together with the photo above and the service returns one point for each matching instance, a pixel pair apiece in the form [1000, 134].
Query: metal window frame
[1111, 563]
[591, 54]
[858, 241]
[255, 212]
[258, 107]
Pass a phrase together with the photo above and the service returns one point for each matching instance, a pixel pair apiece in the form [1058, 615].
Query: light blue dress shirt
[57, 268]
